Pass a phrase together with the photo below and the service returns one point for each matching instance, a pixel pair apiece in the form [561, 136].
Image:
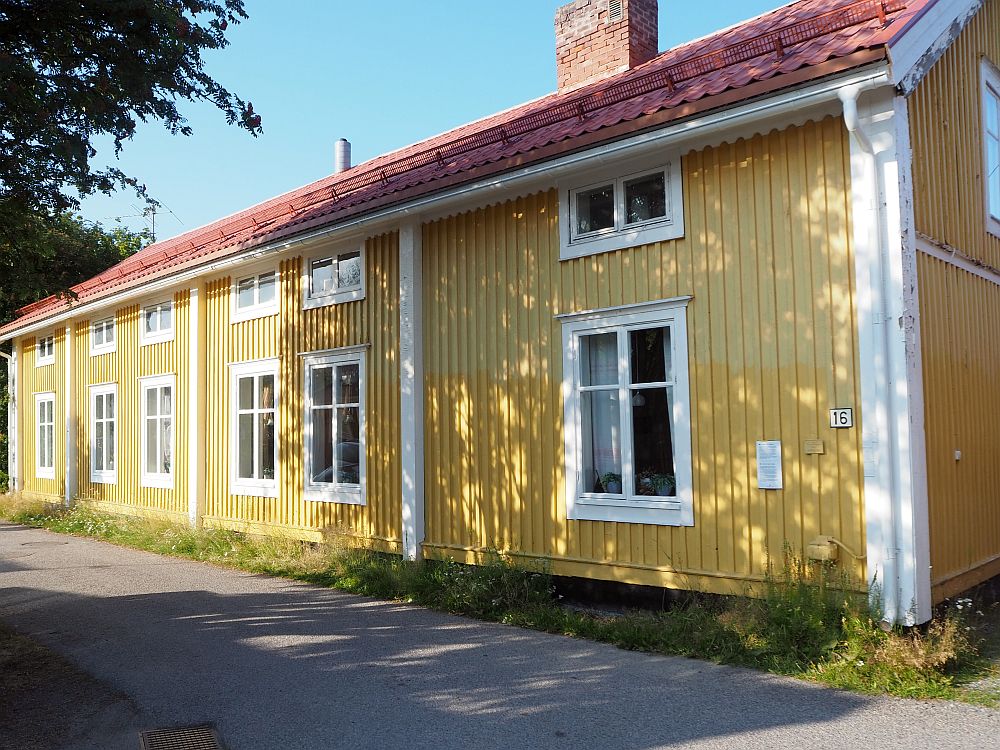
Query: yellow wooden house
[693, 309]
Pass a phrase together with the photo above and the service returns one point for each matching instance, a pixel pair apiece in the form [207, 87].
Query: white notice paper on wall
[769, 464]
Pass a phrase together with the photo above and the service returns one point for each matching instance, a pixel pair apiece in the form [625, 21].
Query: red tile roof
[782, 48]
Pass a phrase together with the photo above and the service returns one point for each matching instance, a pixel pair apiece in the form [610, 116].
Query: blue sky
[382, 75]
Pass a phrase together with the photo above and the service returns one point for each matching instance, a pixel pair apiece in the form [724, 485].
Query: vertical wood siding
[772, 346]
[373, 320]
[32, 380]
[946, 132]
[124, 367]
[960, 364]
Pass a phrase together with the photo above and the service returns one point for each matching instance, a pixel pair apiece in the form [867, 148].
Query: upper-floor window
[103, 433]
[45, 350]
[254, 431]
[157, 323]
[102, 336]
[157, 431]
[991, 144]
[615, 210]
[255, 296]
[332, 278]
[45, 437]
[335, 426]
[628, 432]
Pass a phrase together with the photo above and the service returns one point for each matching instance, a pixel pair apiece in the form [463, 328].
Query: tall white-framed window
[104, 433]
[627, 414]
[330, 278]
[158, 423]
[255, 296]
[157, 323]
[254, 450]
[991, 144]
[335, 426]
[102, 336]
[45, 435]
[611, 210]
[45, 350]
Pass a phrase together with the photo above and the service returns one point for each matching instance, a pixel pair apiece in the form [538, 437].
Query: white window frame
[103, 476]
[590, 506]
[161, 334]
[105, 347]
[351, 494]
[990, 88]
[164, 480]
[622, 235]
[256, 487]
[42, 471]
[49, 358]
[257, 310]
[338, 296]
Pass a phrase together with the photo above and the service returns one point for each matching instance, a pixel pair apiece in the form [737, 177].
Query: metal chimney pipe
[341, 155]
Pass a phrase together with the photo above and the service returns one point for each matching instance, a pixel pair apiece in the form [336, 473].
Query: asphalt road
[275, 664]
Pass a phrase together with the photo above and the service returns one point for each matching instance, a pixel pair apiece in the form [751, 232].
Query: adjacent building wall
[959, 311]
[773, 346]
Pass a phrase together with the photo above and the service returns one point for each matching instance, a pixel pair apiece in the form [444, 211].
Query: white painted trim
[339, 296]
[156, 479]
[195, 408]
[669, 511]
[958, 259]
[333, 492]
[621, 235]
[50, 359]
[637, 307]
[888, 332]
[13, 432]
[928, 38]
[161, 335]
[104, 476]
[45, 472]
[989, 86]
[411, 375]
[338, 350]
[72, 426]
[788, 107]
[253, 487]
[258, 310]
[105, 348]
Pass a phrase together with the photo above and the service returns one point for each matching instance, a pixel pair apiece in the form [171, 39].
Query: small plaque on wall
[841, 419]
[769, 465]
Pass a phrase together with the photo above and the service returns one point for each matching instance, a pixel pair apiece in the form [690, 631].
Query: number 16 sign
[841, 419]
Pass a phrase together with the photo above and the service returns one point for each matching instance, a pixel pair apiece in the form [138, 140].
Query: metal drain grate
[183, 738]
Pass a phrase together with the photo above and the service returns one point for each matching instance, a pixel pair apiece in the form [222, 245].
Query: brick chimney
[598, 38]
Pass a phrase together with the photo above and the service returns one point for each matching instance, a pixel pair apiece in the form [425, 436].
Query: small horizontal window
[622, 211]
[255, 296]
[102, 336]
[45, 351]
[157, 323]
[331, 279]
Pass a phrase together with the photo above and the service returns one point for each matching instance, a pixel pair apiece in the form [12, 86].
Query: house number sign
[841, 419]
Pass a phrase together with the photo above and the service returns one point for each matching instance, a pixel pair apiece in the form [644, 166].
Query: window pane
[649, 355]
[152, 406]
[602, 454]
[645, 198]
[166, 457]
[265, 288]
[166, 400]
[322, 386]
[993, 114]
[166, 317]
[152, 462]
[151, 320]
[993, 176]
[347, 384]
[652, 443]
[244, 293]
[322, 446]
[599, 359]
[266, 445]
[109, 331]
[246, 393]
[109, 403]
[267, 391]
[99, 406]
[245, 446]
[595, 209]
[348, 270]
[99, 447]
[51, 409]
[110, 426]
[98, 334]
[348, 446]
[322, 276]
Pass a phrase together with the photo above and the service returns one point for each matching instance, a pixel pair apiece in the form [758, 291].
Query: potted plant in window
[611, 483]
[656, 484]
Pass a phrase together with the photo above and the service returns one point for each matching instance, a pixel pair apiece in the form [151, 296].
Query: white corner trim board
[411, 388]
[69, 345]
[928, 38]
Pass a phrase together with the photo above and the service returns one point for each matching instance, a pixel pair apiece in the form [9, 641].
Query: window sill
[45, 473]
[44, 362]
[993, 226]
[104, 478]
[251, 488]
[345, 496]
[621, 240]
[348, 295]
[670, 513]
[158, 481]
[156, 339]
[96, 351]
[253, 313]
